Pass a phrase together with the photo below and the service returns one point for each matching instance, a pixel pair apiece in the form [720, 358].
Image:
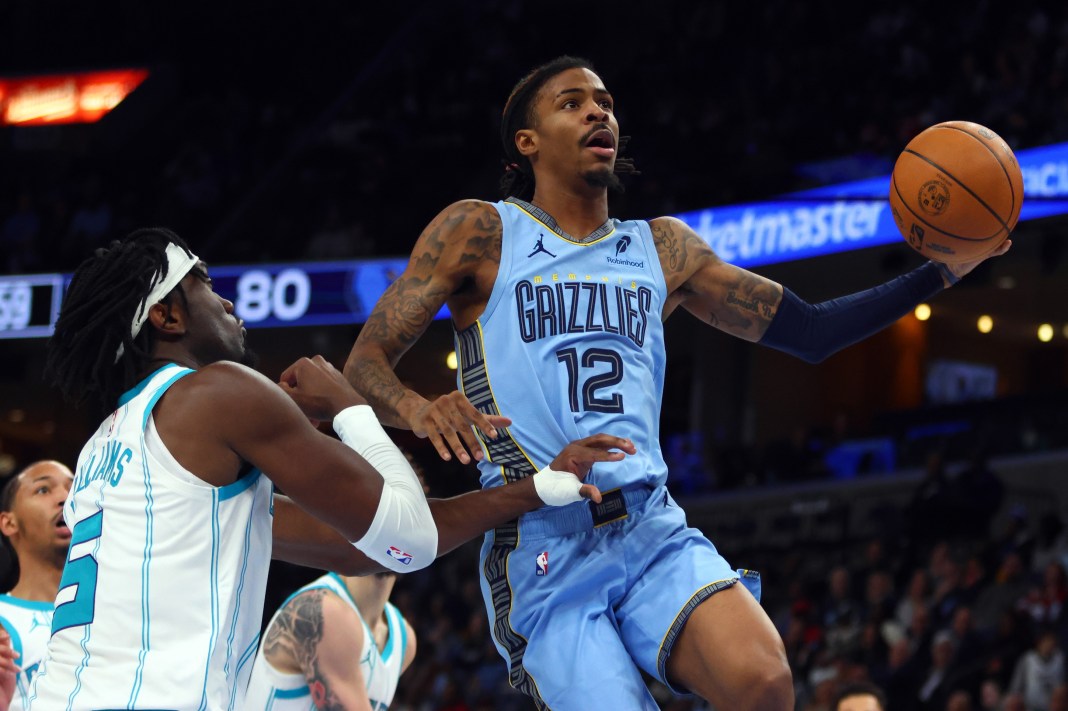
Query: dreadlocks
[94, 321]
[518, 179]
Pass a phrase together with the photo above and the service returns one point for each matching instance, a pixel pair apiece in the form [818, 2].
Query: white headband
[178, 265]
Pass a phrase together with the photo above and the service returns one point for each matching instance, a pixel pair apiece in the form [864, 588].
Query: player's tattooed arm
[732, 299]
[450, 254]
[314, 635]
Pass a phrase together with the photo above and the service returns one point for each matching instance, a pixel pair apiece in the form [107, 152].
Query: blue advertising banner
[825, 220]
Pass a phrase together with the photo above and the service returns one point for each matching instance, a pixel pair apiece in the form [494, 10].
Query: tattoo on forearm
[294, 636]
[750, 305]
[410, 303]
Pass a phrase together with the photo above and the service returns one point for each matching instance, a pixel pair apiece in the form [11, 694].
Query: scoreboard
[264, 295]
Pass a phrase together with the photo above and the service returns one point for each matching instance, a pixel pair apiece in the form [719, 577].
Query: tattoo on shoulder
[484, 243]
[681, 250]
[295, 635]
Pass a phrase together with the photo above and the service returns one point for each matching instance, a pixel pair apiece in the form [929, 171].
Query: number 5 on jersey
[76, 599]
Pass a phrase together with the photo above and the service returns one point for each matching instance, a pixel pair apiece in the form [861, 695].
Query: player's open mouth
[602, 142]
[61, 528]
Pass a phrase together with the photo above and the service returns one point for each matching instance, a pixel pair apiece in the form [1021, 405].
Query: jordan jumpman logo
[539, 247]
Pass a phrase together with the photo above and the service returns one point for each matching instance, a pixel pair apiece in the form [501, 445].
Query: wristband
[946, 272]
[557, 488]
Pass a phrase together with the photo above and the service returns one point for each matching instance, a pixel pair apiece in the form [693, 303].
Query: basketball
[956, 192]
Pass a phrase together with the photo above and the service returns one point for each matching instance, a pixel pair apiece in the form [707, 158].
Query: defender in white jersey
[557, 309]
[161, 598]
[336, 635]
[31, 521]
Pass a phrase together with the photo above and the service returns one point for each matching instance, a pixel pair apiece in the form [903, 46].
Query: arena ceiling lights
[83, 97]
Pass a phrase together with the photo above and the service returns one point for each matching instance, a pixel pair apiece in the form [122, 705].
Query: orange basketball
[956, 192]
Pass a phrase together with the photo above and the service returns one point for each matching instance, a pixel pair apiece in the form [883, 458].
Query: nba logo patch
[543, 564]
[399, 555]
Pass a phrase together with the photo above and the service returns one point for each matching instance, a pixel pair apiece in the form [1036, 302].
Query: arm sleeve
[813, 332]
[402, 536]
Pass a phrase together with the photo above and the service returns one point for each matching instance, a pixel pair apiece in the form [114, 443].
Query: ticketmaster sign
[837, 218]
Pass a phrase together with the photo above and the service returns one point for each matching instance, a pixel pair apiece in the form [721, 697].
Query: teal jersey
[571, 343]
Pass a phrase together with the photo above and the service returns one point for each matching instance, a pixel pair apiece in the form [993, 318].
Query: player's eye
[570, 104]
[42, 490]
[606, 104]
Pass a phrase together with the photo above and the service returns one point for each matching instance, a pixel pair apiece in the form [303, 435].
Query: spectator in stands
[916, 597]
[1044, 602]
[860, 696]
[1008, 586]
[935, 688]
[959, 701]
[1039, 672]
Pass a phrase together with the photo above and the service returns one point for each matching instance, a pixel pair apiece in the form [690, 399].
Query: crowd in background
[352, 161]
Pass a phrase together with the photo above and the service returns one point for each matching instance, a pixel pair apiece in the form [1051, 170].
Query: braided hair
[98, 309]
[518, 178]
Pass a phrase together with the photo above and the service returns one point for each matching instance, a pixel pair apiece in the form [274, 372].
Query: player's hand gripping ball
[956, 192]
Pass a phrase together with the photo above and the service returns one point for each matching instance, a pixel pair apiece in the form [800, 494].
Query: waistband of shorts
[578, 517]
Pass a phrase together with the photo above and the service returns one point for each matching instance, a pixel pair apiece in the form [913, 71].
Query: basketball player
[568, 339]
[336, 643]
[860, 696]
[160, 602]
[31, 522]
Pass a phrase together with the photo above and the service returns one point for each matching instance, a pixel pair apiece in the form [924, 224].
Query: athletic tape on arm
[814, 331]
[402, 536]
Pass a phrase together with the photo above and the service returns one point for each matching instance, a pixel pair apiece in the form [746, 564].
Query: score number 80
[285, 296]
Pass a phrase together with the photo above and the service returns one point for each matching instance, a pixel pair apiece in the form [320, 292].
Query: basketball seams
[1004, 225]
[984, 144]
[936, 228]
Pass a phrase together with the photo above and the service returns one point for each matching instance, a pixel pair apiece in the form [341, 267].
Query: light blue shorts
[576, 610]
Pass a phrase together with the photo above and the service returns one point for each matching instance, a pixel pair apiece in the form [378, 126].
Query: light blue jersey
[29, 623]
[161, 600]
[571, 343]
[582, 598]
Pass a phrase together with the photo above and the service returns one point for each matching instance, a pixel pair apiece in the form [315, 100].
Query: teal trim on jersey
[237, 610]
[28, 604]
[233, 489]
[303, 590]
[145, 565]
[291, 693]
[248, 654]
[403, 633]
[159, 393]
[214, 592]
[344, 587]
[139, 388]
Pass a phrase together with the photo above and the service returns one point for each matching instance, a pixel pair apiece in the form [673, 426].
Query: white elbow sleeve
[402, 536]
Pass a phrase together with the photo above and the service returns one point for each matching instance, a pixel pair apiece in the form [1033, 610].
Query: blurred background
[904, 500]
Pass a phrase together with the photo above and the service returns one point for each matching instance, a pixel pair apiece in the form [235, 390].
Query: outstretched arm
[757, 309]
[302, 539]
[445, 263]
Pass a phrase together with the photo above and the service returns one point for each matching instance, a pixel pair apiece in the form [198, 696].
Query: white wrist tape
[402, 536]
[557, 488]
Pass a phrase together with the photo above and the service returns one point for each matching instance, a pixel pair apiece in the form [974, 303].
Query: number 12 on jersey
[584, 395]
[76, 600]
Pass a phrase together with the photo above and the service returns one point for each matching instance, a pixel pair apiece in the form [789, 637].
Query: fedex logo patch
[399, 555]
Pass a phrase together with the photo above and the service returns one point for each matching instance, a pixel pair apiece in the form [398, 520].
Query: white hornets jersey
[271, 690]
[161, 599]
[29, 623]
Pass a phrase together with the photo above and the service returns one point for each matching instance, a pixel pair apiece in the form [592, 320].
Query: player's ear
[526, 141]
[167, 319]
[9, 525]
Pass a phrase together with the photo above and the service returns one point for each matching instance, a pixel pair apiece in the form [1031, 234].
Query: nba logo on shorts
[398, 554]
[543, 564]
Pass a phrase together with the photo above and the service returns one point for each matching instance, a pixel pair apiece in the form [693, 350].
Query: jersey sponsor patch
[543, 563]
[399, 555]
